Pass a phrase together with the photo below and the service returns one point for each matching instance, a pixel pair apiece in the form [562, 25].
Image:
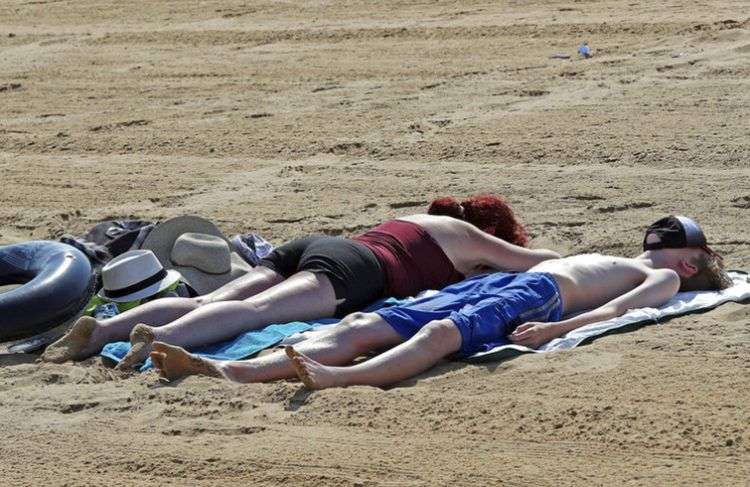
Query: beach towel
[681, 304]
[252, 342]
[246, 344]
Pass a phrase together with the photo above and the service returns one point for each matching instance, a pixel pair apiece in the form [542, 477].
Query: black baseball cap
[675, 232]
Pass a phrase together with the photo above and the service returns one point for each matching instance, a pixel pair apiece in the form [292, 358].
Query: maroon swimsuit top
[411, 259]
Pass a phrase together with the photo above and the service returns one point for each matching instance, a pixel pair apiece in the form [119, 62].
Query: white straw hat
[136, 274]
[198, 250]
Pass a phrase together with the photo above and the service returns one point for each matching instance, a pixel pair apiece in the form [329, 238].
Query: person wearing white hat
[321, 276]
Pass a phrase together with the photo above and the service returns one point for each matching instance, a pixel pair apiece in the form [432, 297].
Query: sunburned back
[590, 280]
[454, 238]
[473, 251]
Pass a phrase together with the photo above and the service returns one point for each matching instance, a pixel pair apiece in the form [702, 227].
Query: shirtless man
[323, 276]
[480, 313]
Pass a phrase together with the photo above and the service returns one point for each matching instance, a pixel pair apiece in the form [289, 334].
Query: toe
[290, 352]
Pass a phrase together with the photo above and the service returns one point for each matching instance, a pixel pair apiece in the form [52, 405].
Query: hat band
[117, 293]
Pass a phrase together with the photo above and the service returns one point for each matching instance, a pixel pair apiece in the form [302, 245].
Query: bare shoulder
[436, 222]
[664, 273]
[667, 275]
[468, 247]
[663, 283]
[661, 274]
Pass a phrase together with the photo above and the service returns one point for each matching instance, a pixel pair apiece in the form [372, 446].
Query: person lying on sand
[479, 313]
[322, 276]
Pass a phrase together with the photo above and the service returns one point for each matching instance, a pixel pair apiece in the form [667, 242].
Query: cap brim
[694, 236]
[710, 251]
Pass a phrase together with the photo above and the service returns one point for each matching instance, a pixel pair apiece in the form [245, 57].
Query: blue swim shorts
[485, 308]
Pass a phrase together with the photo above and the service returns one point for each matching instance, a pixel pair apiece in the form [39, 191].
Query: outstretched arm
[503, 256]
[657, 288]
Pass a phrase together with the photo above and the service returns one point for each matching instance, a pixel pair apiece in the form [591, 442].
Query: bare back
[588, 281]
[471, 250]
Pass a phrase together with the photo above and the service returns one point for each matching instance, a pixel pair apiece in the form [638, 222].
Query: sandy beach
[292, 118]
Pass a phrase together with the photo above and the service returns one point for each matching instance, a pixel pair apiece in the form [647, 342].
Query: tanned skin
[606, 286]
[263, 297]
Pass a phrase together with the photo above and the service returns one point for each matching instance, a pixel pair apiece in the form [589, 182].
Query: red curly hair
[489, 213]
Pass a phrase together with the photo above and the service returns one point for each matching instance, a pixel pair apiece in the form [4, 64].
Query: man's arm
[500, 255]
[657, 288]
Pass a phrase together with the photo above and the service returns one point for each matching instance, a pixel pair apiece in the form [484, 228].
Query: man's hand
[532, 334]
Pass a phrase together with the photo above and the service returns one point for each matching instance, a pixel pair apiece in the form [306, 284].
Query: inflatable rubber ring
[56, 283]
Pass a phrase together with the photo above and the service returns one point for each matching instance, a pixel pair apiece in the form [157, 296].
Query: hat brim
[162, 238]
[694, 236]
[155, 288]
[204, 283]
[711, 252]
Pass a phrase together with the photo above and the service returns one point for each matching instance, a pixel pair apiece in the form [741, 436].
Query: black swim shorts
[352, 268]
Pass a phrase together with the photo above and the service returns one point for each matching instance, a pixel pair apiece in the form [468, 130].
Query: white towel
[681, 304]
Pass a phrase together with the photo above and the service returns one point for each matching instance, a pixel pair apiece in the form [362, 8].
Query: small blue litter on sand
[584, 50]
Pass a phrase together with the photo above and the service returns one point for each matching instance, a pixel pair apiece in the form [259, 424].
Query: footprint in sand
[628, 206]
[741, 313]
[581, 362]
[741, 202]
[407, 204]
[10, 87]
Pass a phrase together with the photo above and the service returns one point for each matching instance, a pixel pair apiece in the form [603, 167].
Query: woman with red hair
[489, 213]
[323, 276]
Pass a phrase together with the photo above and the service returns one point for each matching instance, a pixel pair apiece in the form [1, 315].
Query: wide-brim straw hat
[197, 249]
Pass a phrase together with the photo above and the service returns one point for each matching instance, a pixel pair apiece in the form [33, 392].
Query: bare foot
[313, 374]
[174, 362]
[78, 344]
[141, 338]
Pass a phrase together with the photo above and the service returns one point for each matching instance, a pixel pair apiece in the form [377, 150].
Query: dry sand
[289, 118]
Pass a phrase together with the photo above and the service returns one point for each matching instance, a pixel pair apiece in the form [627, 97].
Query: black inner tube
[56, 283]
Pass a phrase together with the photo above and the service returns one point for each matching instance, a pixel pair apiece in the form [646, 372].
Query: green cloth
[96, 300]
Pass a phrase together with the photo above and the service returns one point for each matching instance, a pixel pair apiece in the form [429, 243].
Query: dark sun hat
[675, 232]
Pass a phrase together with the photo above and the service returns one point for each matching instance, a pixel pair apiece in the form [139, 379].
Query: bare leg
[88, 336]
[433, 342]
[162, 311]
[256, 281]
[304, 296]
[358, 333]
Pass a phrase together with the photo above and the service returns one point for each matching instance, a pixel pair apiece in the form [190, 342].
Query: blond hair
[709, 276]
